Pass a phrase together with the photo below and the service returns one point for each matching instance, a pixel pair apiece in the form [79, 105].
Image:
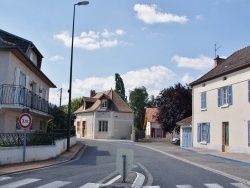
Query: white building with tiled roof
[221, 105]
[104, 115]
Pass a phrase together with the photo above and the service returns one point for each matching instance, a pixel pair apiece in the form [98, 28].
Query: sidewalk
[64, 157]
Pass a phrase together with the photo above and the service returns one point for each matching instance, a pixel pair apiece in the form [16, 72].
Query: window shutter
[219, 97]
[248, 90]
[205, 100]
[201, 100]
[27, 82]
[208, 132]
[249, 133]
[198, 132]
[17, 76]
[230, 95]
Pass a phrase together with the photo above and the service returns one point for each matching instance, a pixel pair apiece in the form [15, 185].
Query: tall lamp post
[70, 76]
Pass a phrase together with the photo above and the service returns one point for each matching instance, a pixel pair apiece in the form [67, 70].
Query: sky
[150, 43]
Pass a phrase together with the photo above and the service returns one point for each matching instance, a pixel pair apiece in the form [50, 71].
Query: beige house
[153, 130]
[221, 105]
[104, 115]
[22, 84]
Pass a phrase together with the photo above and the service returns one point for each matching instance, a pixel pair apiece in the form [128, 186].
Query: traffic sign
[25, 120]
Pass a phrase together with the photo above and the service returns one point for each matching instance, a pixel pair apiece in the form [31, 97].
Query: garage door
[186, 137]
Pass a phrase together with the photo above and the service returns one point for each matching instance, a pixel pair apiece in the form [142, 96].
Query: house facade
[221, 105]
[153, 130]
[22, 84]
[104, 115]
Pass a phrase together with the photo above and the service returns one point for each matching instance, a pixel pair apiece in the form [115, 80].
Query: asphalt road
[98, 162]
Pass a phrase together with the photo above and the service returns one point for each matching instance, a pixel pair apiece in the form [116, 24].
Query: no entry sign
[25, 120]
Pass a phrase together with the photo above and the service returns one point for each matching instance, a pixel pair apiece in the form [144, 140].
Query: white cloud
[150, 14]
[56, 58]
[153, 78]
[186, 79]
[92, 40]
[199, 63]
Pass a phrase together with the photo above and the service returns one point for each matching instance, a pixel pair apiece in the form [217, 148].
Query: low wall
[11, 155]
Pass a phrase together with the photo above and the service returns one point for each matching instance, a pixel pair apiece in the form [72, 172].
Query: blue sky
[151, 43]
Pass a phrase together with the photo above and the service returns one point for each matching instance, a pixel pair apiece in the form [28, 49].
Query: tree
[174, 104]
[119, 87]
[152, 102]
[138, 100]
[59, 119]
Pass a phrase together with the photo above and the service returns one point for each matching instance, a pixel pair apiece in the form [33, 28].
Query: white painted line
[138, 181]
[112, 181]
[3, 178]
[151, 186]
[91, 185]
[184, 186]
[19, 183]
[213, 185]
[240, 185]
[55, 184]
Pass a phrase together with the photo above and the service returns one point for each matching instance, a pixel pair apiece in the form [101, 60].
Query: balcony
[16, 95]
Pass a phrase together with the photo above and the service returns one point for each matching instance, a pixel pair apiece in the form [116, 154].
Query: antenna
[216, 49]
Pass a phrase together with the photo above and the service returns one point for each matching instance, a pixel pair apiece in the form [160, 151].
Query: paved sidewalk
[64, 157]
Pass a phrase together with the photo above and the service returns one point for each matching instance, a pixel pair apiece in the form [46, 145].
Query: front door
[83, 128]
[186, 137]
[225, 137]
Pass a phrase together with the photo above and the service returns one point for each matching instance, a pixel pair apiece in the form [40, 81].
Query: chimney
[218, 61]
[92, 93]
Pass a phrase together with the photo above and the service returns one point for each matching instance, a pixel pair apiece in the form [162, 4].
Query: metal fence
[19, 95]
[32, 139]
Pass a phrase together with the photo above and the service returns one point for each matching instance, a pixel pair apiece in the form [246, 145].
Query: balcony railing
[19, 95]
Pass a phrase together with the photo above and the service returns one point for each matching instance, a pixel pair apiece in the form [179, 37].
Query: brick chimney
[218, 61]
[92, 93]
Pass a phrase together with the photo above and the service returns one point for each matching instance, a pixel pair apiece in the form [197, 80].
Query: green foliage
[138, 100]
[60, 116]
[174, 104]
[119, 87]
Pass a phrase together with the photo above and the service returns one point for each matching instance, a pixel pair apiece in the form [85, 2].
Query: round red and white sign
[25, 120]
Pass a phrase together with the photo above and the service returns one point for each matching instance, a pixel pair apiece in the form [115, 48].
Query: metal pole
[124, 167]
[70, 82]
[24, 145]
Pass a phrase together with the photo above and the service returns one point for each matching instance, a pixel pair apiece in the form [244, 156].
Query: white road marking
[213, 185]
[55, 184]
[19, 183]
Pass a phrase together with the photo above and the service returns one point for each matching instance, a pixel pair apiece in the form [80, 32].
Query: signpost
[24, 121]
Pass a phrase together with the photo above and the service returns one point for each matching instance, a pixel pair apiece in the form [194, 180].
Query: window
[78, 126]
[158, 132]
[103, 126]
[203, 132]
[203, 100]
[225, 96]
[104, 104]
[18, 127]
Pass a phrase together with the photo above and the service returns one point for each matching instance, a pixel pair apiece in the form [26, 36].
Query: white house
[221, 105]
[153, 129]
[104, 115]
[22, 84]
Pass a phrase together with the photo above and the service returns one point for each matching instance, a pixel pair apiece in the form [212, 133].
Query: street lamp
[70, 76]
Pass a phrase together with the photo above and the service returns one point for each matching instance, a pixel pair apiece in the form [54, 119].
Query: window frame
[203, 133]
[225, 96]
[104, 103]
[103, 126]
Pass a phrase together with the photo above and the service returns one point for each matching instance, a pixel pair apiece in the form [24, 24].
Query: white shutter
[27, 82]
[17, 76]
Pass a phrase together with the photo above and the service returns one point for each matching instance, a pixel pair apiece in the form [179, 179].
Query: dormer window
[104, 104]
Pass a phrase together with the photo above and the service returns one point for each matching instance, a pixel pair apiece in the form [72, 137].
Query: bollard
[124, 167]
